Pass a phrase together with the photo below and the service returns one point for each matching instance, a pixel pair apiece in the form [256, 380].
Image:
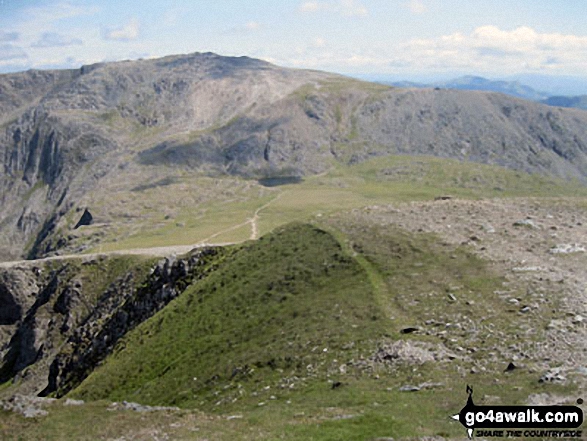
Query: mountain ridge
[474, 82]
[113, 126]
[514, 88]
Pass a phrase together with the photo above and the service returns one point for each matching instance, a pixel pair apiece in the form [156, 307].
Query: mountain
[512, 88]
[578, 102]
[234, 250]
[553, 85]
[94, 138]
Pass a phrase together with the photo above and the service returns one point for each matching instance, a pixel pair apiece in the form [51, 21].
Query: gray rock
[409, 388]
[488, 228]
[527, 223]
[142, 408]
[553, 376]
[567, 249]
[28, 406]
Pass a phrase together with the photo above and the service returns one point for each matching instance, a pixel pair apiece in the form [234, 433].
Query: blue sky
[405, 38]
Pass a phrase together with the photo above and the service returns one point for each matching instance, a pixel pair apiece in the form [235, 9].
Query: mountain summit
[68, 136]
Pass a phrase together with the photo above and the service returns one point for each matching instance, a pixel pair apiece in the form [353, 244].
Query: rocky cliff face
[63, 134]
[59, 320]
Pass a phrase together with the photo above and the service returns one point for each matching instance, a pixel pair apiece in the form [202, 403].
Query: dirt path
[155, 252]
[253, 221]
[255, 218]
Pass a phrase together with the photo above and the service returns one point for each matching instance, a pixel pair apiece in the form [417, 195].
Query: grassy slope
[235, 343]
[274, 305]
[202, 209]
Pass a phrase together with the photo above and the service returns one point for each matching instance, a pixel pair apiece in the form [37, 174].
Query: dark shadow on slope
[10, 311]
[238, 147]
[22, 351]
[276, 181]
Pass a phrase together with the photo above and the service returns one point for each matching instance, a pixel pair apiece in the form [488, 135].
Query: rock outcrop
[59, 320]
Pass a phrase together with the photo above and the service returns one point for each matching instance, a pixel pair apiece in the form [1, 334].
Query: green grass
[212, 209]
[234, 342]
[274, 305]
[363, 411]
[339, 87]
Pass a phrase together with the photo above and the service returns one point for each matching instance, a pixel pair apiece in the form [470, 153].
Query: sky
[411, 39]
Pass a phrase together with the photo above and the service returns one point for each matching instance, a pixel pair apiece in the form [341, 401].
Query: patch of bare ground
[539, 245]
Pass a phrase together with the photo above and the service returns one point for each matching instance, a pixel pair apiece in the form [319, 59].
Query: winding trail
[253, 221]
[154, 251]
[255, 218]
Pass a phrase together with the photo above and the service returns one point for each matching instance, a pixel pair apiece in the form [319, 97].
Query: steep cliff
[60, 319]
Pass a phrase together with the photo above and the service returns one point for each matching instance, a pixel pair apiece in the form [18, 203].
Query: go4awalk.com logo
[520, 421]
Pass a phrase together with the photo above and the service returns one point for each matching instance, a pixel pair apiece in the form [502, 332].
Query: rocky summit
[68, 137]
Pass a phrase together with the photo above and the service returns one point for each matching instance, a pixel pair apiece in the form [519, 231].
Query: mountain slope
[578, 102]
[333, 319]
[363, 325]
[105, 129]
[512, 88]
[469, 82]
[259, 314]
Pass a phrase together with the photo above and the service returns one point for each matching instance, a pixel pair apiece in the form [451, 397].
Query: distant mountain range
[512, 88]
[578, 102]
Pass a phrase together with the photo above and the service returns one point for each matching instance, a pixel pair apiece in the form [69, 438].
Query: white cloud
[8, 36]
[253, 26]
[486, 50]
[349, 8]
[319, 42]
[353, 8]
[489, 48]
[313, 6]
[9, 52]
[417, 6]
[130, 31]
[247, 28]
[39, 19]
[53, 39]
[50, 14]
[36, 29]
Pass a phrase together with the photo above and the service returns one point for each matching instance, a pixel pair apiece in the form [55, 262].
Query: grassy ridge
[250, 339]
[291, 300]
